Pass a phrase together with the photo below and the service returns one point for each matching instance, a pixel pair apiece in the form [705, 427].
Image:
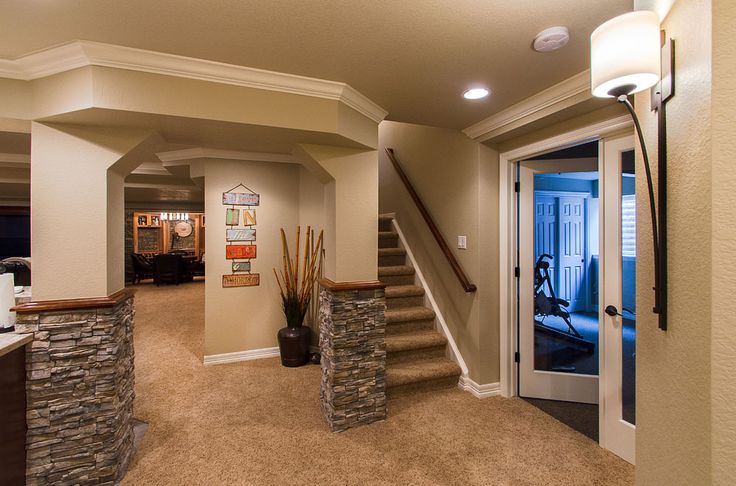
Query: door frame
[507, 314]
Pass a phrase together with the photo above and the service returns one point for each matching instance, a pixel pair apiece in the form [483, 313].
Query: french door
[554, 223]
[618, 363]
[603, 346]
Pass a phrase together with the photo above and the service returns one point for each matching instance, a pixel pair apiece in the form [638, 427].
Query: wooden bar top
[10, 341]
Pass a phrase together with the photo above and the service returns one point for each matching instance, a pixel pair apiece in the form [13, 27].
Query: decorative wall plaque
[244, 234]
[240, 198]
[241, 280]
[232, 217]
[241, 266]
[237, 232]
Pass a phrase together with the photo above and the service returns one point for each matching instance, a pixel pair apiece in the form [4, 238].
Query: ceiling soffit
[85, 53]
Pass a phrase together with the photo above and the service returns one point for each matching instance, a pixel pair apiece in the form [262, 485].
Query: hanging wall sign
[232, 217]
[241, 280]
[245, 234]
[240, 198]
[233, 252]
[239, 231]
[241, 267]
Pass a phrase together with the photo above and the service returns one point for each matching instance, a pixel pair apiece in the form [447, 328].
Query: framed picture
[155, 221]
[143, 220]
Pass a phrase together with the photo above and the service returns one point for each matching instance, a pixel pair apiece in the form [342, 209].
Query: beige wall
[723, 177]
[448, 170]
[246, 318]
[674, 368]
[350, 208]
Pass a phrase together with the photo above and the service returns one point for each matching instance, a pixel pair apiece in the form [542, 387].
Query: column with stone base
[79, 389]
[352, 343]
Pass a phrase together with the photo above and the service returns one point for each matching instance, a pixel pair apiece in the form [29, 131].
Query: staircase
[416, 357]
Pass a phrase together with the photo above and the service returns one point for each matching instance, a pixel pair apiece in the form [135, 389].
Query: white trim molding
[562, 95]
[211, 153]
[454, 350]
[82, 53]
[479, 391]
[241, 356]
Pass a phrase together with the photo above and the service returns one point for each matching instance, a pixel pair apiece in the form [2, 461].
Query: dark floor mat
[582, 417]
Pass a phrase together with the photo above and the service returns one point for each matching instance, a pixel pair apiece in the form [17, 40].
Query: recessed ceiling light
[475, 93]
[551, 39]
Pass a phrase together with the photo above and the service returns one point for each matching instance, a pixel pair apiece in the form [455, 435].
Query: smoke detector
[551, 39]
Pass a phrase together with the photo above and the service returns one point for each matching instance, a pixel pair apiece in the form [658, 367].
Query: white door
[618, 289]
[572, 251]
[544, 337]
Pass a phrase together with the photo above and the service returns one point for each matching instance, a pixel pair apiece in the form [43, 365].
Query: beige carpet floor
[257, 423]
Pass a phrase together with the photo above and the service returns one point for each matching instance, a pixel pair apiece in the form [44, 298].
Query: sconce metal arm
[659, 285]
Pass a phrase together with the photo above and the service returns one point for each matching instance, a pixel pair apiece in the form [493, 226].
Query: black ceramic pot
[294, 345]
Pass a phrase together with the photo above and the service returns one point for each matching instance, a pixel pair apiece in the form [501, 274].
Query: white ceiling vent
[551, 39]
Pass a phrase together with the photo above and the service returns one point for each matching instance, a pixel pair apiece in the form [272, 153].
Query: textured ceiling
[413, 57]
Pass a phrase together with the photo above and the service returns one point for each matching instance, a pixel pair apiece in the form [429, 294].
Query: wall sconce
[629, 54]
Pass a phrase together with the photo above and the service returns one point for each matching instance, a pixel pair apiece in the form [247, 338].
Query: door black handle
[612, 311]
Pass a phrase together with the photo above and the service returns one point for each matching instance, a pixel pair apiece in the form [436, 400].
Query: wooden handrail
[468, 286]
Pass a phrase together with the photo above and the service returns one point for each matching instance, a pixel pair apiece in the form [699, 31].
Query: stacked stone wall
[79, 395]
[352, 343]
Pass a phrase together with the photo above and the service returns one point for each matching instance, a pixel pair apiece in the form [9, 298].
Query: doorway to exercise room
[576, 254]
[558, 225]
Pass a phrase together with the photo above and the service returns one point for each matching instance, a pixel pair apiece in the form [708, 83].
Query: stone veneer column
[353, 347]
[79, 389]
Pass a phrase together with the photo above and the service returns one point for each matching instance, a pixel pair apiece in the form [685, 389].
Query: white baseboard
[241, 356]
[479, 391]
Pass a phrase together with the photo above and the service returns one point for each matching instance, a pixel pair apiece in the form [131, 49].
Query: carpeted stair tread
[407, 373]
[397, 291]
[385, 217]
[391, 251]
[387, 234]
[395, 270]
[409, 314]
[414, 340]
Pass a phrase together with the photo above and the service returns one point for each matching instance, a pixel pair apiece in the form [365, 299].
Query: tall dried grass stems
[297, 288]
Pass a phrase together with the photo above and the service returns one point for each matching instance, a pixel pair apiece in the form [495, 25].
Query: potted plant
[296, 293]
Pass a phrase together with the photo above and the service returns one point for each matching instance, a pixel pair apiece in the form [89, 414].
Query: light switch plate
[462, 242]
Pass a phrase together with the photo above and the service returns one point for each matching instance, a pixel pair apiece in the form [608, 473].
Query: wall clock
[183, 229]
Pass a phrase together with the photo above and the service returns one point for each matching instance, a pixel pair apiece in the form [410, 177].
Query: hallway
[259, 423]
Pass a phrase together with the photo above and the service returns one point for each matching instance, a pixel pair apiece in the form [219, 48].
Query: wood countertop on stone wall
[10, 341]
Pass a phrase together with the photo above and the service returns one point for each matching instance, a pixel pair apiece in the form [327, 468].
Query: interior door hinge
[517, 357]
[517, 272]
[517, 186]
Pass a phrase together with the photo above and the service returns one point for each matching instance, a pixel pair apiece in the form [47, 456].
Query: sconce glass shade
[625, 54]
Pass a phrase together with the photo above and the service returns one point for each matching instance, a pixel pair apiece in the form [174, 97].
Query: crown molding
[211, 153]
[86, 53]
[570, 91]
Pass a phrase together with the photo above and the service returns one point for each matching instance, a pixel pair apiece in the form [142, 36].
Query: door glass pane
[566, 272]
[628, 285]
